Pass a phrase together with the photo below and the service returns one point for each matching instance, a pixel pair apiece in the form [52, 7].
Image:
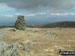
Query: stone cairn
[20, 23]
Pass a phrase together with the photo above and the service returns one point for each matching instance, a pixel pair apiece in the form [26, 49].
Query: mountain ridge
[63, 24]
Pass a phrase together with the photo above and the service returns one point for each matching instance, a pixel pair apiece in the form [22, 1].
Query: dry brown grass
[65, 40]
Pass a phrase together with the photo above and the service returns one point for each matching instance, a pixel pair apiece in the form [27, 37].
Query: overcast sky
[35, 10]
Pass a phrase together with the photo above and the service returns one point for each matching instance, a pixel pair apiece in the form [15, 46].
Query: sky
[37, 12]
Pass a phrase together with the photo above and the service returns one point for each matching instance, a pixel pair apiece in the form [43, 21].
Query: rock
[2, 36]
[31, 43]
[49, 34]
[12, 49]
[14, 37]
[26, 49]
[20, 23]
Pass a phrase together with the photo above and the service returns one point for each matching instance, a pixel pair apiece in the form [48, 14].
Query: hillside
[63, 24]
[36, 41]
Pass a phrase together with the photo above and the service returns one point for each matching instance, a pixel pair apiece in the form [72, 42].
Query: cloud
[7, 16]
[62, 14]
[36, 14]
[50, 14]
[4, 8]
[17, 14]
[29, 15]
[40, 14]
[40, 4]
[45, 7]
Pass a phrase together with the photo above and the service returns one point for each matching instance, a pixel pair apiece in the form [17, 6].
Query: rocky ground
[36, 41]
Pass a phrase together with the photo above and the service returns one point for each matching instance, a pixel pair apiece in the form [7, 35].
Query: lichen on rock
[20, 23]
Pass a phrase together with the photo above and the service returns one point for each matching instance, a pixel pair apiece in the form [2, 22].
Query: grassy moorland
[36, 41]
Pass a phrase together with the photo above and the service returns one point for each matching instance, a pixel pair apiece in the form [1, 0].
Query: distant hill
[64, 24]
[7, 26]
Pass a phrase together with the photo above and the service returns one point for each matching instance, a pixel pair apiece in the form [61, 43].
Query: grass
[49, 46]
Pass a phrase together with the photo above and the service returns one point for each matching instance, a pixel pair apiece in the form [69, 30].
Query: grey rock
[20, 23]
[2, 36]
[31, 43]
[12, 49]
[49, 34]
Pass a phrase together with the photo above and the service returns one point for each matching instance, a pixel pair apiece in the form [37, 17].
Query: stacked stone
[20, 23]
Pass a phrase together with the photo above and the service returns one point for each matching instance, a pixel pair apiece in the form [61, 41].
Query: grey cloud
[40, 4]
